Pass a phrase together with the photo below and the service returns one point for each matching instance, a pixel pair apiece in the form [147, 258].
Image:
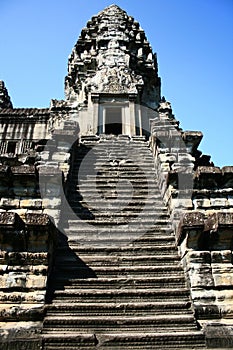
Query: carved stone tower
[111, 72]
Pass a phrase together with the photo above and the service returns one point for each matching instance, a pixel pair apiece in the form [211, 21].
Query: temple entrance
[113, 120]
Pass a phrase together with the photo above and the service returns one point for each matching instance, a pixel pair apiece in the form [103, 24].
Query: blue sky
[193, 40]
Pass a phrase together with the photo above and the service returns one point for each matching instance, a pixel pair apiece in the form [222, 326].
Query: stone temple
[115, 230]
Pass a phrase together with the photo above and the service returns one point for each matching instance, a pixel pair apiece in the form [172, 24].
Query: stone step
[108, 149]
[128, 209]
[81, 270]
[164, 265]
[129, 250]
[103, 295]
[134, 191]
[105, 167]
[155, 228]
[111, 308]
[124, 200]
[122, 214]
[119, 260]
[121, 186]
[118, 341]
[115, 175]
[123, 220]
[121, 283]
[113, 323]
[94, 262]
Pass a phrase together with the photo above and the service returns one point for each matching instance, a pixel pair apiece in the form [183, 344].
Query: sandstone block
[222, 275]
[201, 203]
[9, 203]
[61, 157]
[51, 203]
[16, 280]
[36, 282]
[165, 167]
[31, 203]
[221, 257]
[219, 202]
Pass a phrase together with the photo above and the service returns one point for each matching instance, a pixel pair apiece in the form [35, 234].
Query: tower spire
[113, 56]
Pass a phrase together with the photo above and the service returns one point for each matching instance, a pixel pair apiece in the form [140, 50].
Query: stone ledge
[24, 170]
[32, 219]
[219, 219]
[9, 219]
[198, 221]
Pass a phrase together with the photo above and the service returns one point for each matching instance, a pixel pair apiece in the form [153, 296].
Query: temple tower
[111, 72]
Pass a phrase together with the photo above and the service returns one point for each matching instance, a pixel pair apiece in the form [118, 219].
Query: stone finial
[5, 100]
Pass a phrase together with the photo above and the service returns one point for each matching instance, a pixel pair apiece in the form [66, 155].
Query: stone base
[219, 335]
[20, 335]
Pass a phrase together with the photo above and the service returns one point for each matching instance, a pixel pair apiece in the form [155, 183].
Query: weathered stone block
[219, 202]
[219, 336]
[44, 155]
[16, 280]
[165, 167]
[185, 158]
[222, 275]
[198, 257]
[221, 257]
[167, 158]
[36, 282]
[61, 157]
[31, 203]
[51, 203]
[9, 203]
[21, 335]
[182, 168]
[200, 203]
[21, 312]
[185, 203]
[201, 275]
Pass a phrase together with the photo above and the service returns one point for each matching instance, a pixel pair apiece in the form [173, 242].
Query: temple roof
[24, 114]
[24, 111]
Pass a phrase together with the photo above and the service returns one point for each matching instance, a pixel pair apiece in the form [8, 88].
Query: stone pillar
[95, 113]
[131, 122]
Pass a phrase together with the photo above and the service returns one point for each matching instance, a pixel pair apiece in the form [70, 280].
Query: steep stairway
[117, 281]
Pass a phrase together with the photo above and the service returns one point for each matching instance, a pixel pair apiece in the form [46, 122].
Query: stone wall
[27, 235]
[26, 248]
[199, 199]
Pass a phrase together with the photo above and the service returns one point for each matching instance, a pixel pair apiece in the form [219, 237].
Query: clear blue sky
[193, 40]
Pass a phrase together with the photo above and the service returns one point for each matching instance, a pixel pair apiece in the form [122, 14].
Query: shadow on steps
[67, 266]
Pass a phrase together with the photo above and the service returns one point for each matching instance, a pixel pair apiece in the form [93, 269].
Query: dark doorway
[11, 147]
[113, 121]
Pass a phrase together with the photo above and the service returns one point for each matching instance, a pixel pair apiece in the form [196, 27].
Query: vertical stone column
[131, 118]
[95, 114]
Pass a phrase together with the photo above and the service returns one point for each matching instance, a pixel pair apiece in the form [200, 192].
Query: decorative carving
[118, 61]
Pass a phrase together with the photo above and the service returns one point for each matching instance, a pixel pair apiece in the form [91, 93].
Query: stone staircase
[117, 281]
